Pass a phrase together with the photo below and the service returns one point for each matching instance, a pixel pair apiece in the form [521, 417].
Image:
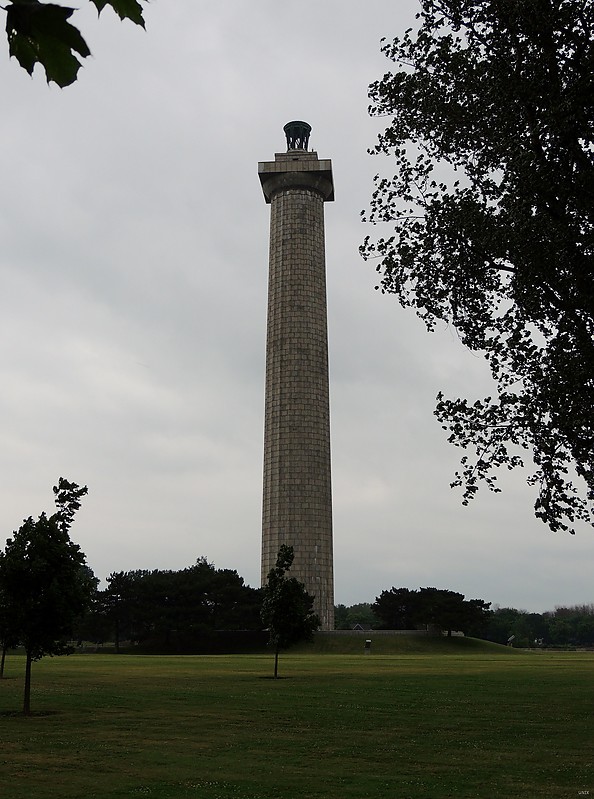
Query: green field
[464, 722]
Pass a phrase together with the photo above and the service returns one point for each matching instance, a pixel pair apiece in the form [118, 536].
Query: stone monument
[297, 497]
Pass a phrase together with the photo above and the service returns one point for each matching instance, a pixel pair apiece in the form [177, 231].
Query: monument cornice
[297, 169]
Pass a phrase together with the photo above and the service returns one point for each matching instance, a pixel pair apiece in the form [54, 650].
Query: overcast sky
[133, 270]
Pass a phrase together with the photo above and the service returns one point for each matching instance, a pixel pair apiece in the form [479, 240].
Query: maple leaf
[125, 9]
[40, 33]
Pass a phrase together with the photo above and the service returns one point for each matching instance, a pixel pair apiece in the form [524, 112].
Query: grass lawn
[464, 723]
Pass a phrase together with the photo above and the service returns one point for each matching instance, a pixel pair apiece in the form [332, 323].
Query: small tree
[287, 608]
[46, 584]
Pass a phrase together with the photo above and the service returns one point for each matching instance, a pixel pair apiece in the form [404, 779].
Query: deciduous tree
[46, 584]
[491, 216]
[287, 608]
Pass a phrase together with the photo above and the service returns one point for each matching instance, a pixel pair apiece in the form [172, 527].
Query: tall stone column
[297, 502]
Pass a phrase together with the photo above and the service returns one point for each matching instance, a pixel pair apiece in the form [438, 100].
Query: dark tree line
[431, 608]
[562, 627]
[403, 609]
[171, 610]
[348, 617]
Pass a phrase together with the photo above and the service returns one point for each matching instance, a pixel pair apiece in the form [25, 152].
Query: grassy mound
[354, 644]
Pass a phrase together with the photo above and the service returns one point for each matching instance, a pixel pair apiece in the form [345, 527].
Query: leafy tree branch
[492, 209]
[40, 33]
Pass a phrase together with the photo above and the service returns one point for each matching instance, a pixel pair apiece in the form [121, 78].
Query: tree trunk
[3, 660]
[276, 662]
[27, 696]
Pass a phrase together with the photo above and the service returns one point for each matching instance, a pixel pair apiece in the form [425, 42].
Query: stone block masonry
[297, 491]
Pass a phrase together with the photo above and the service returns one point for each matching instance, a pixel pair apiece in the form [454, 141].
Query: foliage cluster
[491, 218]
[40, 33]
[45, 584]
[347, 617]
[562, 627]
[405, 609]
[171, 610]
[287, 608]
[440, 609]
